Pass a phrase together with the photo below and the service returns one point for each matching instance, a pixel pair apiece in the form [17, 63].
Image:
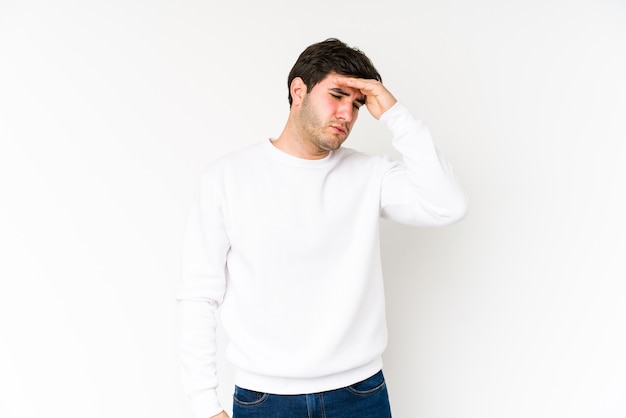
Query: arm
[201, 291]
[420, 190]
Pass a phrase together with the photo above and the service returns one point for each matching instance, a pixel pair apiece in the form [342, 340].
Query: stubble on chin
[330, 143]
[335, 139]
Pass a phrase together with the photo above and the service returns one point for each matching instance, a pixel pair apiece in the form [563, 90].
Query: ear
[298, 90]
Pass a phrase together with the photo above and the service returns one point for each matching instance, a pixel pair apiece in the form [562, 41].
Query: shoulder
[350, 156]
[234, 159]
[345, 153]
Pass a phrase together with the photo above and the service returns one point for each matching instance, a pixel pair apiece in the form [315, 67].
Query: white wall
[109, 110]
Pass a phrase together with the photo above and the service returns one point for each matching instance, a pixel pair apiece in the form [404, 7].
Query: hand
[377, 98]
[222, 414]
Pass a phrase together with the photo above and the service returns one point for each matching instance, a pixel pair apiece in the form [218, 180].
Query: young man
[284, 236]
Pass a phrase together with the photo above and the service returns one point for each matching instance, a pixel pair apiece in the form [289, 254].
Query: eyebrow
[360, 100]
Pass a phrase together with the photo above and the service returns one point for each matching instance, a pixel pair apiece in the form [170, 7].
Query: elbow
[456, 210]
[460, 210]
[453, 211]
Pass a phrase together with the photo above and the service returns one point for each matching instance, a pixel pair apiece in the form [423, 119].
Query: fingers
[367, 87]
[377, 98]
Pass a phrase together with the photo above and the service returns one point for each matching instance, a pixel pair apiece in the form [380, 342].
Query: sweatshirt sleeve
[201, 291]
[421, 189]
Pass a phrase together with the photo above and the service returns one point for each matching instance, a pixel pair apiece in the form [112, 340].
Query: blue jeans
[365, 399]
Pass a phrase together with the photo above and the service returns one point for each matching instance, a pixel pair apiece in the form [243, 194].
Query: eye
[336, 96]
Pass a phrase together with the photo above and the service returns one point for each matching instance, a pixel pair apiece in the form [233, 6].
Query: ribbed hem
[295, 386]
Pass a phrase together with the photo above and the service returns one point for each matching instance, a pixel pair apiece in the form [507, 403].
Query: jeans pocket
[247, 397]
[368, 386]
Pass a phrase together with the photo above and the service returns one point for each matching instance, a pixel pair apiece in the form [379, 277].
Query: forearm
[422, 189]
[197, 344]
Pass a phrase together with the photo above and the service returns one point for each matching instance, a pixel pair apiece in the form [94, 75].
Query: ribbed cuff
[205, 404]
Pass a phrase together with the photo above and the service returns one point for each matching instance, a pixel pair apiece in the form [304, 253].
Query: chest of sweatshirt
[278, 207]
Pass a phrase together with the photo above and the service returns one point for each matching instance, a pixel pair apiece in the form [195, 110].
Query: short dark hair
[332, 55]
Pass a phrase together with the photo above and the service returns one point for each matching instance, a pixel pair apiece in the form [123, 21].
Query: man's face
[328, 113]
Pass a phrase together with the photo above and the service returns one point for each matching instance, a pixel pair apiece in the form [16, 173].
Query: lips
[339, 129]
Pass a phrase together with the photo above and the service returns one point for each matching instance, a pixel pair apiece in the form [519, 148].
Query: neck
[292, 142]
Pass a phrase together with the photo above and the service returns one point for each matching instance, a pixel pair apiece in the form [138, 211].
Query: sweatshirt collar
[286, 158]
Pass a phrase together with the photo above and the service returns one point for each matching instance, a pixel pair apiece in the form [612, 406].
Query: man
[284, 236]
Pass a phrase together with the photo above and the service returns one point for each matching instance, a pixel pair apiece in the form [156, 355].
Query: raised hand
[377, 98]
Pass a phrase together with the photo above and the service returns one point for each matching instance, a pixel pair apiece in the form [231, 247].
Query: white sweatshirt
[289, 248]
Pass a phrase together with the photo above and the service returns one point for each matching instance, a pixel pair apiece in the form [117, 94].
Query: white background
[110, 109]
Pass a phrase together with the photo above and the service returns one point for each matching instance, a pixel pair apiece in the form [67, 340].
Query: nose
[345, 111]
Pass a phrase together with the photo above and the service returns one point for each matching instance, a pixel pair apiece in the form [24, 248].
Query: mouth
[339, 129]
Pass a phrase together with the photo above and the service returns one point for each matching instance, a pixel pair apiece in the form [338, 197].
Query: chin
[333, 145]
